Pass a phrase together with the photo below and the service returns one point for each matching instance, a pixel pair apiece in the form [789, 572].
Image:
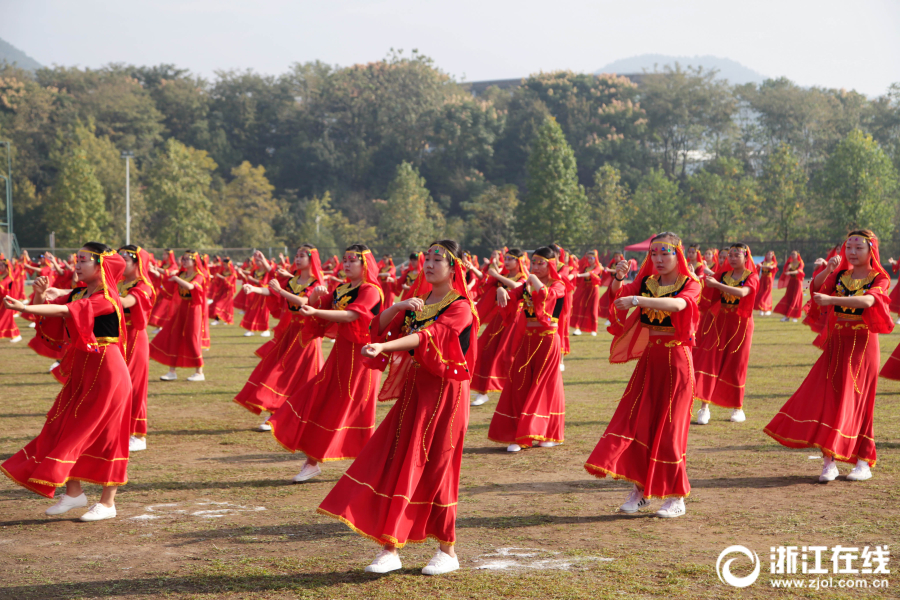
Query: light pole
[9, 210]
[127, 155]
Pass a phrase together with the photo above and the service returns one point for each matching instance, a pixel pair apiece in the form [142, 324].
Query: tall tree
[315, 221]
[410, 219]
[607, 199]
[76, 212]
[179, 189]
[726, 200]
[491, 219]
[858, 188]
[783, 189]
[657, 205]
[555, 207]
[247, 208]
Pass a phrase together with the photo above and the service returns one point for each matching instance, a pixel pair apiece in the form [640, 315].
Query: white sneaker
[197, 377]
[898, 322]
[307, 472]
[99, 512]
[576, 332]
[265, 334]
[673, 507]
[762, 313]
[67, 503]
[860, 472]
[53, 366]
[264, 426]
[513, 448]
[635, 501]
[703, 416]
[479, 400]
[608, 323]
[248, 334]
[169, 377]
[562, 367]
[209, 301]
[548, 444]
[136, 444]
[385, 562]
[768, 313]
[594, 333]
[784, 319]
[738, 416]
[16, 339]
[829, 471]
[157, 330]
[33, 325]
[441, 563]
[214, 323]
[793, 320]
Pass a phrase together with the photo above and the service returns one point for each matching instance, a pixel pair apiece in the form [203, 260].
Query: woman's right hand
[621, 269]
[248, 289]
[372, 350]
[502, 297]
[41, 284]
[413, 304]
[13, 304]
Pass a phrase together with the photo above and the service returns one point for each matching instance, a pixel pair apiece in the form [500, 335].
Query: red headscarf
[774, 261]
[143, 259]
[583, 263]
[783, 280]
[370, 272]
[419, 286]
[315, 267]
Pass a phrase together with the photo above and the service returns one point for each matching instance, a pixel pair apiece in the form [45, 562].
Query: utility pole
[127, 155]
[9, 209]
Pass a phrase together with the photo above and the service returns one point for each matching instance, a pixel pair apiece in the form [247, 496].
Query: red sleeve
[140, 312]
[544, 301]
[367, 299]
[745, 306]
[617, 318]
[198, 294]
[878, 316]
[439, 350]
[81, 318]
[687, 320]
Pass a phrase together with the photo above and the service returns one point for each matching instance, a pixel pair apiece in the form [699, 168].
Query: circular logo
[724, 571]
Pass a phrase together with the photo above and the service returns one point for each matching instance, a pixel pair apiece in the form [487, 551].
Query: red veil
[112, 267]
[143, 261]
[583, 263]
[629, 338]
[419, 287]
[878, 317]
[315, 267]
[783, 280]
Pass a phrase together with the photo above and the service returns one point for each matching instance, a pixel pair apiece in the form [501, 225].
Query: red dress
[288, 363]
[495, 344]
[404, 486]
[164, 307]
[332, 416]
[834, 406]
[85, 437]
[532, 406]
[766, 285]
[256, 308]
[646, 439]
[895, 293]
[387, 287]
[586, 303]
[180, 344]
[722, 353]
[791, 305]
[137, 350]
[222, 307]
[8, 327]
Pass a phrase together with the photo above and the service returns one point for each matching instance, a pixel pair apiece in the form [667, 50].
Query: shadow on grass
[325, 482]
[16, 415]
[198, 431]
[256, 458]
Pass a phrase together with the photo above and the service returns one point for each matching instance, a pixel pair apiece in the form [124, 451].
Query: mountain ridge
[729, 69]
[10, 54]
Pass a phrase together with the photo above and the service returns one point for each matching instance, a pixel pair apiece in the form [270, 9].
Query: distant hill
[11, 54]
[733, 71]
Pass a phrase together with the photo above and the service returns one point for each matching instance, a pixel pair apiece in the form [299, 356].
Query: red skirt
[764, 293]
[833, 409]
[494, 356]
[85, 437]
[603, 305]
[8, 327]
[163, 309]
[256, 315]
[721, 357]
[138, 360]
[405, 484]
[287, 365]
[891, 368]
[585, 307]
[533, 405]
[895, 298]
[646, 439]
[49, 337]
[222, 307]
[791, 305]
[332, 416]
[179, 343]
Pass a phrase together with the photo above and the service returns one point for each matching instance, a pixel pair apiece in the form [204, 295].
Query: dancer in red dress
[586, 300]
[137, 297]
[791, 305]
[767, 269]
[291, 361]
[166, 290]
[833, 409]
[404, 284]
[494, 345]
[722, 353]
[332, 416]
[646, 439]
[532, 406]
[180, 343]
[85, 437]
[895, 293]
[222, 308]
[606, 297]
[8, 328]
[256, 309]
[404, 487]
[387, 276]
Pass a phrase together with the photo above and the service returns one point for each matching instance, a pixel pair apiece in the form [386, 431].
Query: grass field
[210, 511]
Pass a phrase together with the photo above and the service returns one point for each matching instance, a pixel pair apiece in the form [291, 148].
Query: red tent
[640, 246]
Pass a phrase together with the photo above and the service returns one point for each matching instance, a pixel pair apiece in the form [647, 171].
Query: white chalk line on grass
[531, 558]
[216, 510]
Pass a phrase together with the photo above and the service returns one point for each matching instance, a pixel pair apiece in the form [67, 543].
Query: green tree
[725, 199]
[607, 199]
[410, 219]
[76, 211]
[783, 189]
[555, 207]
[858, 188]
[179, 190]
[247, 208]
[491, 219]
[315, 221]
[657, 205]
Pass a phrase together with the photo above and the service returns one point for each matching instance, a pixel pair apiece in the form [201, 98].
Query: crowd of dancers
[686, 317]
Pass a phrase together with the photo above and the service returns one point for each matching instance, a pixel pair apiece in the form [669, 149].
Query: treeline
[396, 153]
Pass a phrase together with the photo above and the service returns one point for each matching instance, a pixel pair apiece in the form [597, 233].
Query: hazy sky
[832, 43]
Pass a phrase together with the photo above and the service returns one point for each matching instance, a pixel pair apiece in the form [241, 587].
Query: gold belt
[106, 341]
[536, 331]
